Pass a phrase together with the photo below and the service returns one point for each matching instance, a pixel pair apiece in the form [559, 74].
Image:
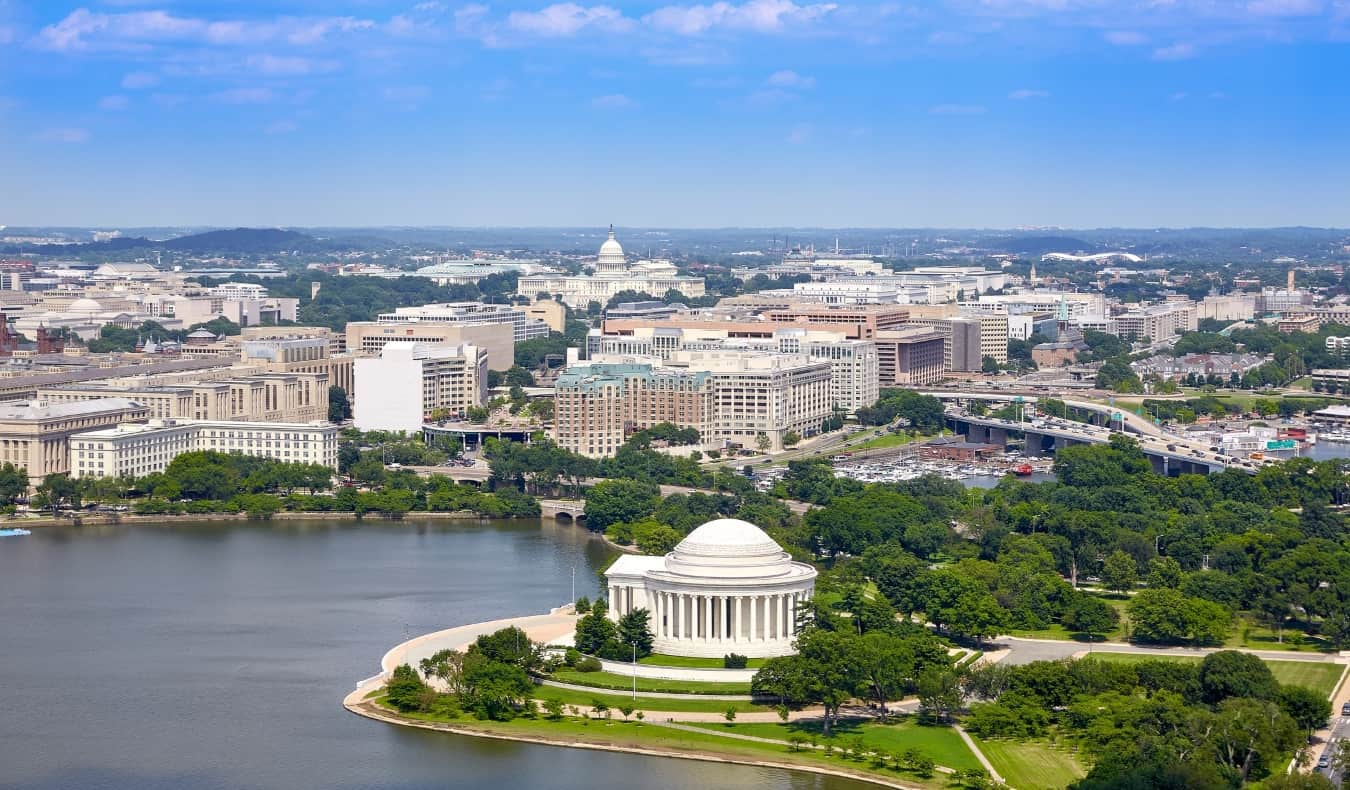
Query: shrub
[587, 664]
[734, 661]
[571, 657]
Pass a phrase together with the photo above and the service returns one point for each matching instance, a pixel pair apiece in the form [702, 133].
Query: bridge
[562, 509]
[1046, 435]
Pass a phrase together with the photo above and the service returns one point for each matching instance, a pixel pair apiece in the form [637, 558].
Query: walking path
[757, 739]
[975, 750]
[649, 694]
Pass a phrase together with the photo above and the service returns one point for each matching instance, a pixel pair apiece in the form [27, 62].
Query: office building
[368, 337]
[910, 357]
[35, 435]
[408, 382]
[146, 448]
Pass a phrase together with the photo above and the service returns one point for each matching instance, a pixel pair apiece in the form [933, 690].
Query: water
[216, 655]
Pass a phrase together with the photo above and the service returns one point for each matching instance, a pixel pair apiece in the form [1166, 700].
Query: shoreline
[112, 519]
[356, 703]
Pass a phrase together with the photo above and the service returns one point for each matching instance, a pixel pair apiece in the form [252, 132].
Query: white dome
[611, 258]
[727, 533]
[85, 306]
[729, 548]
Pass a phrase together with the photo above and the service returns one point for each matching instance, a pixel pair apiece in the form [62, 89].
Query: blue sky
[971, 113]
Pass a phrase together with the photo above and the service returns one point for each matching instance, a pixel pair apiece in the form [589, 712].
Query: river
[216, 655]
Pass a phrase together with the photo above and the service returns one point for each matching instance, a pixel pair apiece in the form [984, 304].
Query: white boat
[14, 532]
[1338, 437]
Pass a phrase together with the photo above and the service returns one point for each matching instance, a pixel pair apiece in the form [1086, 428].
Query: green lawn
[585, 699]
[658, 659]
[614, 680]
[1317, 675]
[617, 732]
[883, 441]
[943, 744]
[1032, 766]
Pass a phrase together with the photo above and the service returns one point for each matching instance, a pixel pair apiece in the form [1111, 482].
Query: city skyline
[1002, 113]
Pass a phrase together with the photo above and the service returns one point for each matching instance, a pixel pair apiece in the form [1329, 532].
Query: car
[1323, 761]
[1345, 709]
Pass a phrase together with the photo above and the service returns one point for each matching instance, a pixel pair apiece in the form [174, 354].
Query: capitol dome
[727, 587]
[611, 258]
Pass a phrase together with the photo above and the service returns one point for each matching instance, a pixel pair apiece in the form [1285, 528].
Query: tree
[1120, 572]
[55, 491]
[730, 714]
[339, 405]
[613, 501]
[1308, 708]
[1088, 614]
[1250, 733]
[594, 630]
[1229, 673]
[791, 438]
[1164, 572]
[13, 482]
[939, 693]
[763, 442]
[989, 366]
[635, 629]
[1165, 615]
[404, 689]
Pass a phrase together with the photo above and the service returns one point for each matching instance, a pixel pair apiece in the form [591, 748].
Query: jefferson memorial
[726, 588]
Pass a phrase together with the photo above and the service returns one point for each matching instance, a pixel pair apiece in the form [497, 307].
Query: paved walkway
[942, 769]
[649, 694]
[975, 750]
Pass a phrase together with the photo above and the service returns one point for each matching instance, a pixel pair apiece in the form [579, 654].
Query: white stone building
[613, 275]
[140, 449]
[726, 588]
[468, 314]
[396, 390]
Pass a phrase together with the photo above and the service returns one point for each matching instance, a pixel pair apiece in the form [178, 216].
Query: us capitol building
[726, 588]
[613, 274]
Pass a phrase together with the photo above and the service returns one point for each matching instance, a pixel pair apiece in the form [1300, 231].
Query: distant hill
[244, 240]
[241, 241]
[1040, 245]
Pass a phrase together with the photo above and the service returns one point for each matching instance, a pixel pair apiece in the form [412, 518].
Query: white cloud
[760, 16]
[62, 135]
[244, 96]
[788, 78]
[281, 127]
[139, 79]
[1022, 94]
[1180, 51]
[614, 101]
[567, 19]
[1285, 7]
[287, 65]
[956, 109]
[83, 29]
[113, 103]
[1125, 38]
[1179, 96]
[800, 134]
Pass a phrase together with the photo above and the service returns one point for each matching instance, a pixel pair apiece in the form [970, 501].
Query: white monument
[726, 588]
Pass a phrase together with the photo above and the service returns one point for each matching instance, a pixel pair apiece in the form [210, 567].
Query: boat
[14, 532]
[1022, 470]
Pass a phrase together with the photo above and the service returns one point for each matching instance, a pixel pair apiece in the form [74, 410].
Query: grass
[585, 699]
[658, 659]
[617, 732]
[883, 441]
[1032, 766]
[943, 744]
[613, 680]
[1317, 675]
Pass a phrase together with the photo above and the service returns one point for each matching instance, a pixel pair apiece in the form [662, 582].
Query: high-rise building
[910, 357]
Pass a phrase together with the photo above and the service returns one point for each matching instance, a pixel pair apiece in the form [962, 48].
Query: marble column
[754, 618]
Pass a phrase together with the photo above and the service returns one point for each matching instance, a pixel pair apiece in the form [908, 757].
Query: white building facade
[145, 448]
[398, 389]
[613, 275]
[726, 588]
